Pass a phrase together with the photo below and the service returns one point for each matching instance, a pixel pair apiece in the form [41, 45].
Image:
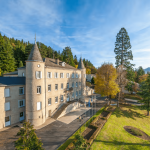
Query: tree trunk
[109, 99]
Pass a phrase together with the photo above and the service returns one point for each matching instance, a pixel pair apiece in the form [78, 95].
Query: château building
[34, 92]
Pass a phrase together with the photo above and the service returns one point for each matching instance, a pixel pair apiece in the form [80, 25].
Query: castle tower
[83, 77]
[35, 87]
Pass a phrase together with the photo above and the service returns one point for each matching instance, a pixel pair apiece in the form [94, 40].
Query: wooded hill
[13, 54]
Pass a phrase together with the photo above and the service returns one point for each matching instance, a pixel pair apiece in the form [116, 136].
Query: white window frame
[7, 106]
[67, 85]
[38, 89]
[68, 75]
[39, 105]
[73, 95]
[56, 99]
[72, 84]
[84, 75]
[76, 93]
[79, 75]
[7, 92]
[49, 75]
[23, 90]
[56, 74]
[36, 74]
[55, 87]
[76, 75]
[49, 100]
[61, 75]
[19, 103]
[72, 75]
[62, 86]
[76, 84]
[62, 98]
[48, 87]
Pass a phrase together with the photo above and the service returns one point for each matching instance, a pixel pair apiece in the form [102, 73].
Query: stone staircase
[62, 108]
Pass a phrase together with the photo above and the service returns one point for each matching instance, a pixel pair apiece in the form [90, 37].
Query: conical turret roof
[35, 54]
[81, 65]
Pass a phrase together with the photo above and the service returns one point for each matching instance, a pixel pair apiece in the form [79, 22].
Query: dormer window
[63, 64]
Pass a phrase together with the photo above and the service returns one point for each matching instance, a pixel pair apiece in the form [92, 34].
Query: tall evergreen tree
[67, 56]
[122, 49]
[7, 61]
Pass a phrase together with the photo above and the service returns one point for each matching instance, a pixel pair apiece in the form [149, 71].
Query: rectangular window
[79, 83]
[76, 93]
[79, 75]
[49, 75]
[61, 75]
[76, 84]
[76, 75]
[7, 106]
[56, 74]
[7, 92]
[21, 103]
[72, 84]
[21, 114]
[7, 121]
[38, 89]
[56, 86]
[49, 101]
[72, 75]
[49, 88]
[23, 74]
[72, 95]
[68, 75]
[21, 90]
[56, 99]
[39, 105]
[67, 85]
[61, 98]
[80, 92]
[62, 86]
[38, 74]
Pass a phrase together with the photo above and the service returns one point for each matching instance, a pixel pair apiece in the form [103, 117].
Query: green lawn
[114, 137]
[64, 146]
[132, 96]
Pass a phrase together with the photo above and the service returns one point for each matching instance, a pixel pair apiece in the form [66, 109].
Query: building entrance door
[21, 116]
[7, 121]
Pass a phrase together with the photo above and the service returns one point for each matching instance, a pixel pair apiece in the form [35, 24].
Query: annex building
[37, 90]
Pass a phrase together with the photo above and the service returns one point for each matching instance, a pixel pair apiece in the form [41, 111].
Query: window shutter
[63, 75]
[51, 74]
[23, 90]
[55, 74]
[7, 106]
[19, 103]
[36, 74]
[40, 74]
[47, 74]
[38, 105]
[69, 75]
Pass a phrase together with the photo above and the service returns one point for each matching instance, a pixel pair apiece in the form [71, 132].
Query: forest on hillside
[14, 53]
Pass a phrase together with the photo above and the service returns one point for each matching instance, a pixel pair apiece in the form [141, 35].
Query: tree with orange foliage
[105, 81]
[143, 78]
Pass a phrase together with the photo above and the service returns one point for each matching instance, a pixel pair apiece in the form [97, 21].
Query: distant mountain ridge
[147, 69]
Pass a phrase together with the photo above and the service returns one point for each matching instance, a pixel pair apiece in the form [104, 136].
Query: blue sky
[89, 27]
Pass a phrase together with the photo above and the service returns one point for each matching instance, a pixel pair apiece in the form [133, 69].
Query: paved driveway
[52, 135]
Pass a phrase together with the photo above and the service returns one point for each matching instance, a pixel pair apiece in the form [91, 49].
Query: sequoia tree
[122, 49]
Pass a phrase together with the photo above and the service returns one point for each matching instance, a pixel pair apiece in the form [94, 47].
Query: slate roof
[35, 54]
[81, 65]
[12, 73]
[12, 81]
[51, 62]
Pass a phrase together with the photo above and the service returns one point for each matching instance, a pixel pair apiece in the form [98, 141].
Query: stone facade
[48, 85]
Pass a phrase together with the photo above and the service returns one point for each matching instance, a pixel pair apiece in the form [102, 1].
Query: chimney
[57, 61]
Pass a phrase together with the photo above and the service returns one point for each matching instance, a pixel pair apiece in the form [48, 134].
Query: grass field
[62, 147]
[114, 137]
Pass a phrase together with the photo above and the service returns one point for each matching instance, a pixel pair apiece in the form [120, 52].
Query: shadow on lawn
[130, 113]
[130, 145]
